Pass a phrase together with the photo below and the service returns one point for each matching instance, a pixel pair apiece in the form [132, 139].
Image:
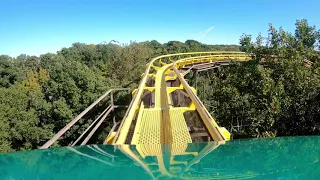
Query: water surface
[271, 158]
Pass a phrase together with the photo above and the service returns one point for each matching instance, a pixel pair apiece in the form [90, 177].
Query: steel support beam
[74, 143]
[200, 108]
[75, 120]
[97, 126]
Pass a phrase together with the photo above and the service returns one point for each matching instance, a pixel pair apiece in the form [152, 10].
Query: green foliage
[21, 108]
[276, 94]
[40, 95]
[10, 71]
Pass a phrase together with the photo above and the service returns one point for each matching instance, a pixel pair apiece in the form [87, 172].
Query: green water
[274, 158]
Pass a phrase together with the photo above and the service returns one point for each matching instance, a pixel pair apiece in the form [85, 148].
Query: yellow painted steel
[209, 122]
[110, 138]
[178, 128]
[162, 123]
[148, 130]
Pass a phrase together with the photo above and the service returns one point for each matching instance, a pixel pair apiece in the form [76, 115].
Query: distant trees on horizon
[40, 94]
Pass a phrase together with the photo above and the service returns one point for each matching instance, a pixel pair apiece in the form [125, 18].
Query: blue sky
[35, 27]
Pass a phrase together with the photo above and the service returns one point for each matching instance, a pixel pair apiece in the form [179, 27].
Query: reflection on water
[276, 158]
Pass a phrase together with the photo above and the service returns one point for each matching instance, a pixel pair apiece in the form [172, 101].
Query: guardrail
[98, 120]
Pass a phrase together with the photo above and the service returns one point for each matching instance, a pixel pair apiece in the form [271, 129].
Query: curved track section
[165, 109]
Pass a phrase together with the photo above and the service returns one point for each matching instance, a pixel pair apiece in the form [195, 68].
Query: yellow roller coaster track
[155, 115]
[164, 116]
[160, 125]
[164, 108]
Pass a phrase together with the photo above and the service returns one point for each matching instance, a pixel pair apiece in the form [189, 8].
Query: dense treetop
[276, 94]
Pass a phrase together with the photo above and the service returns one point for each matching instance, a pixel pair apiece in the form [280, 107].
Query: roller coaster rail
[156, 79]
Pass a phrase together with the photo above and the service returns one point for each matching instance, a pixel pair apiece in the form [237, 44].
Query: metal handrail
[76, 119]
